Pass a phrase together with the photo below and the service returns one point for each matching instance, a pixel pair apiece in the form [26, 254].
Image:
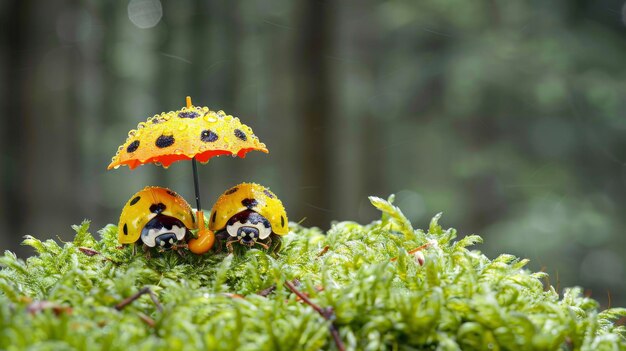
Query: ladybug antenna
[188, 100]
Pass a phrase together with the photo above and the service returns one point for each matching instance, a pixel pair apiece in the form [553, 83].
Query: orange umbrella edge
[167, 160]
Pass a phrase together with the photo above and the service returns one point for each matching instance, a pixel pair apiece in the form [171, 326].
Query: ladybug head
[248, 227]
[163, 232]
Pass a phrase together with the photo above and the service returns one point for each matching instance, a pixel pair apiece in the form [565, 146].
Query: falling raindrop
[145, 13]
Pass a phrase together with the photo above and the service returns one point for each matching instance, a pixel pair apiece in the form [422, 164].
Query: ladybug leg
[278, 242]
[146, 251]
[229, 245]
[178, 248]
[220, 238]
[266, 246]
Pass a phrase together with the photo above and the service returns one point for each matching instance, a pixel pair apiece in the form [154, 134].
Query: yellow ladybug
[249, 214]
[158, 216]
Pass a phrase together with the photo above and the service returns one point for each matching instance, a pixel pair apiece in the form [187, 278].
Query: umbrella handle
[205, 240]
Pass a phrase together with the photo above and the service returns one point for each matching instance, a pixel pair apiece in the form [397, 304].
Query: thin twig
[39, 306]
[88, 251]
[149, 321]
[265, 292]
[327, 313]
[91, 252]
[145, 290]
[323, 251]
[412, 251]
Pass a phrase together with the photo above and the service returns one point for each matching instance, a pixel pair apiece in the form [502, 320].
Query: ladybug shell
[145, 205]
[249, 196]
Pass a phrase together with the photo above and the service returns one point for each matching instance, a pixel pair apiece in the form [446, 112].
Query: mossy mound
[64, 299]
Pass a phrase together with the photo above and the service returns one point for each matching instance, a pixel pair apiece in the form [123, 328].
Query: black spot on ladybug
[157, 208]
[208, 136]
[172, 193]
[125, 229]
[135, 200]
[164, 141]
[282, 221]
[249, 203]
[213, 217]
[231, 191]
[268, 194]
[240, 134]
[132, 147]
[188, 114]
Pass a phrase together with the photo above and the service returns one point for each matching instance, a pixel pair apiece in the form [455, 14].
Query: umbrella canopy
[191, 133]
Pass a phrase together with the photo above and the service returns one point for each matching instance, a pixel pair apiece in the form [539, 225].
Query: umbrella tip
[188, 100]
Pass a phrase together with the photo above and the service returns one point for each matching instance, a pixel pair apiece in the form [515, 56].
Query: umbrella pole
[195, 183]
[206, 238]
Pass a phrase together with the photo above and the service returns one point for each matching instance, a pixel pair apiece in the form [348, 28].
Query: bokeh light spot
[145, 13]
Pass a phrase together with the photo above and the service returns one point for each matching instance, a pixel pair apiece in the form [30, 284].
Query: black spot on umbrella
[213, 217]
[157, 208]
[208, 136]
[188, 114]
[249, 203]
[268, 193]
[282, 221]
[135, 200]
[125, 229]
[231, 191]
[164, 141]
[240, 134]
[132, 147]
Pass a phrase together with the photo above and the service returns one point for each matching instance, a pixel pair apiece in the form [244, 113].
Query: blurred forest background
[508, 116]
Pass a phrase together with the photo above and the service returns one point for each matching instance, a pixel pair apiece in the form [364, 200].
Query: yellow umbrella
[193, 133]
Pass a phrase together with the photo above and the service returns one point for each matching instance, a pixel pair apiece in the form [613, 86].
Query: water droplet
[221, 114]
[182, 127]
[132, 133]
[145, 13]
[116, 167]
[141, 125]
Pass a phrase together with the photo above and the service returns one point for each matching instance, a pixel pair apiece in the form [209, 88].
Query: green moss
[459, 299]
